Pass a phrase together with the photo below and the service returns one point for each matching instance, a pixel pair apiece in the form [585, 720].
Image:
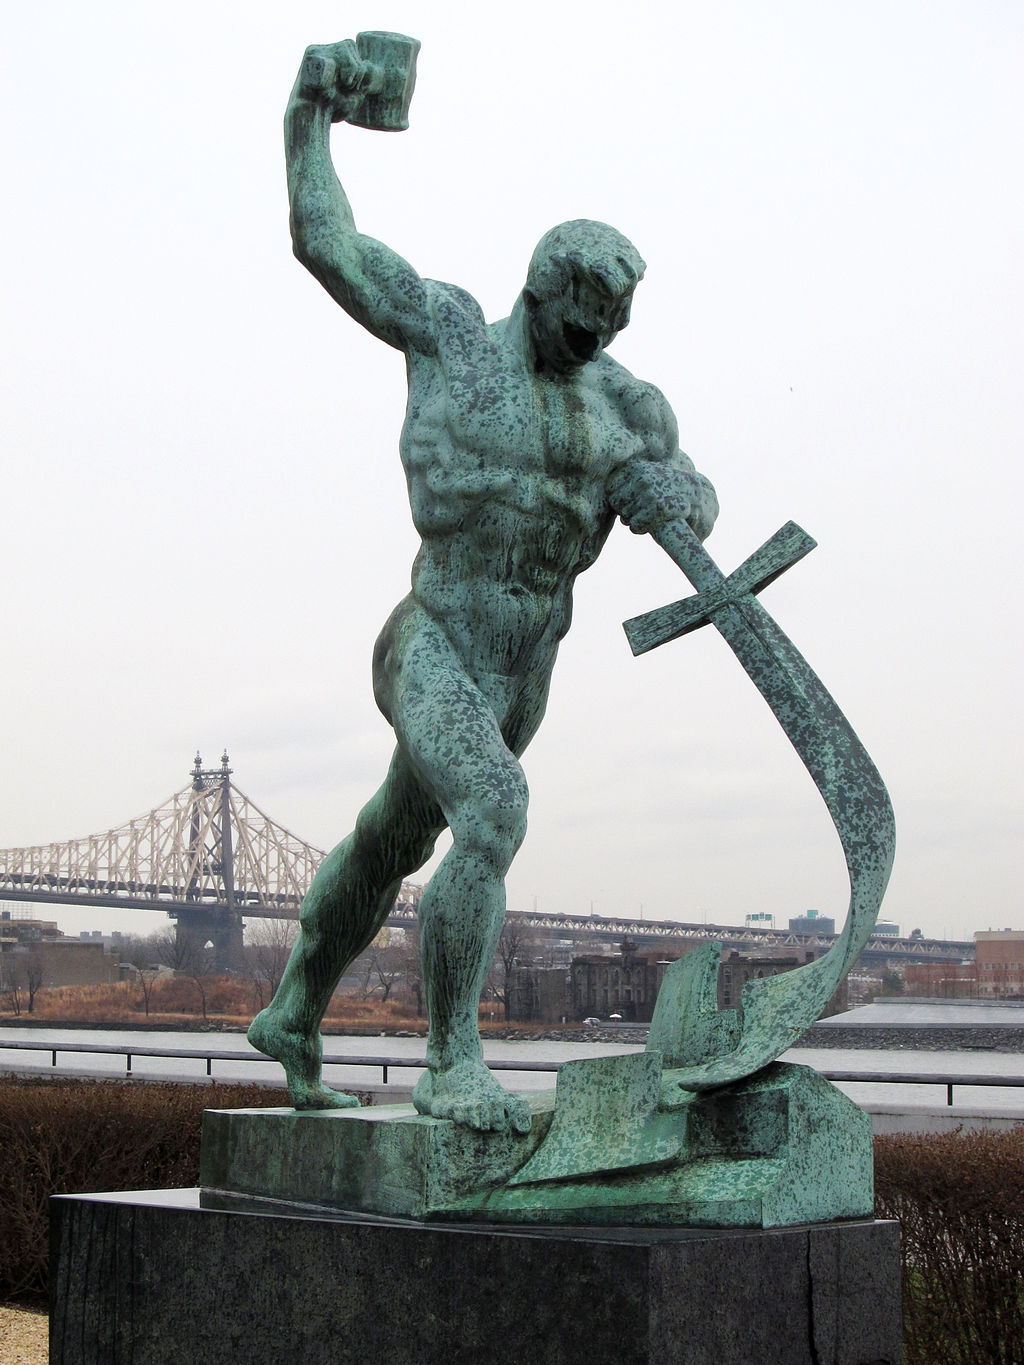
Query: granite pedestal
[156, 1279]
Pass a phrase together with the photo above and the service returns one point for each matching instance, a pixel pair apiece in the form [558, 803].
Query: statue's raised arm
[366, 82]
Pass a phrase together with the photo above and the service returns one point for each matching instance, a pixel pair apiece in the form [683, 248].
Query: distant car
[615, 1016]
[591, 1021]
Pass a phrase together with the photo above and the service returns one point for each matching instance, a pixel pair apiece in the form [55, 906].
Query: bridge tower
[211, 853]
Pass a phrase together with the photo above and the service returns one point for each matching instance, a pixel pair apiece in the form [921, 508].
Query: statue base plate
[156, 1279]
[621, 1146]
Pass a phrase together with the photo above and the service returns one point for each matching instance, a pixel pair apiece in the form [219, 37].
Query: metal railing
[211, 1055]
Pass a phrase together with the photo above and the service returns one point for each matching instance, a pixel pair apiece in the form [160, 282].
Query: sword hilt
[714, 589]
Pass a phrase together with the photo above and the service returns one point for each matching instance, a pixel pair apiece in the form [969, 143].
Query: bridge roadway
[582, 931]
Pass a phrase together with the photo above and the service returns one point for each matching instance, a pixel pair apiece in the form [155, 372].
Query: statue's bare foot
[300, 1057]
[467, 1093]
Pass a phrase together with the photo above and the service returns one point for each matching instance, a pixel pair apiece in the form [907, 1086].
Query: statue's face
[573, 327]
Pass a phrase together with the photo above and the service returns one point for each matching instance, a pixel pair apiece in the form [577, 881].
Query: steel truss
[207, 845]
[210, 847]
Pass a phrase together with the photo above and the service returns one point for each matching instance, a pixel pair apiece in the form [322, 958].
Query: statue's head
[578, 292]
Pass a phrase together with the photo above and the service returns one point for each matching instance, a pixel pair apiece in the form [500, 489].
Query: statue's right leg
[447, 723]
[347, 903]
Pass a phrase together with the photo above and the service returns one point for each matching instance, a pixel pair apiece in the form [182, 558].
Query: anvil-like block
[621, 1145]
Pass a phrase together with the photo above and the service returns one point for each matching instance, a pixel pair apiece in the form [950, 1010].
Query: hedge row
[78, 1137]
[959, 1199]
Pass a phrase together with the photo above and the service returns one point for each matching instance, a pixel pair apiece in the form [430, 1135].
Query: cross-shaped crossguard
[777, 1010]
[715, 590]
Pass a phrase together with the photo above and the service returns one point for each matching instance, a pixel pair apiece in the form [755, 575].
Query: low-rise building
[736, 969]
[999, 958]
[942, 980]
[54, 958]
[812, 922]
[628, 982]
[539, 993]
[625, 983]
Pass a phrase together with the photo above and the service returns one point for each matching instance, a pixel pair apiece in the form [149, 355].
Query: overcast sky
[204, 516]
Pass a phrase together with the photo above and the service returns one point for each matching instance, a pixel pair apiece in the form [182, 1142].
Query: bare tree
[10, 983]
[202, 965]
[33, 977]
[515, 947]
[21, 979]
[144, 955]
[388, 962]
[269, 944]
[190, 956]
[173, 948]
[391, 958]
[411, 966]
[381, 963]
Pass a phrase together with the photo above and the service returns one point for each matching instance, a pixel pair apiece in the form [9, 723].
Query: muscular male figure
[523, 440]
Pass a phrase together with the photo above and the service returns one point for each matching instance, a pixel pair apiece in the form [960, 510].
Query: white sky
[205, 521]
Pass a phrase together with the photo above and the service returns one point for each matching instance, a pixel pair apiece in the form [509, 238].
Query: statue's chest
[504, 418]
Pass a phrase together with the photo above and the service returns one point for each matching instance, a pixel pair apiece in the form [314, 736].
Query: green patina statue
[523, 441]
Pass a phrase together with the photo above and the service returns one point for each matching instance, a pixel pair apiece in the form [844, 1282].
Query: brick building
[56, 959]
[999, 958]
[942, 980]
[628, 983]
[539, 993]
[736, 969]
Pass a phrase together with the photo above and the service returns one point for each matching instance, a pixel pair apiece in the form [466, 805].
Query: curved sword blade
[778, 1010]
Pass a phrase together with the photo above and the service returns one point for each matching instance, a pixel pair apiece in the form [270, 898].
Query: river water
[969, 1100]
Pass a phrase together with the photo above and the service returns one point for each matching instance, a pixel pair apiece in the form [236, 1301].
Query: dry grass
[230, 1000]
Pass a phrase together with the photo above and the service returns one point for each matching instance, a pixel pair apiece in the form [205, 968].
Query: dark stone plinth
[155, 1279]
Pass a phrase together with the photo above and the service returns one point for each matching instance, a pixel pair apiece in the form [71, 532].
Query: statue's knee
[310, 926]
[514, 824]
[494, 828]
[386, 849]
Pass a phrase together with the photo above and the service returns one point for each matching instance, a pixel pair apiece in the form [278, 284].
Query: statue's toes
[325, 1098]
[423, 1095]
[494, 1116]
[519, 1117]
[338, 1099]
[497, 1119]
[466, 1114]
[482, 1115]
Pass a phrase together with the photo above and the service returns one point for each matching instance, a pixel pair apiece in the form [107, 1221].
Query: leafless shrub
[268, 946]
[959, 1199]
[76, 1137]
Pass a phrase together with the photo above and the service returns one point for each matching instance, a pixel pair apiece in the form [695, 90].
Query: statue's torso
[506, 472]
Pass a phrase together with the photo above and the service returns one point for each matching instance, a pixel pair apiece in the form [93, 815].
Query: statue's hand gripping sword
[702, 1048]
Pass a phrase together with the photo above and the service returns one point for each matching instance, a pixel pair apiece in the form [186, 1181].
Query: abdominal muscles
[501, 583]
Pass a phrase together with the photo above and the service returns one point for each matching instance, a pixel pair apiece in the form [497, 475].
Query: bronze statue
[523, 442]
